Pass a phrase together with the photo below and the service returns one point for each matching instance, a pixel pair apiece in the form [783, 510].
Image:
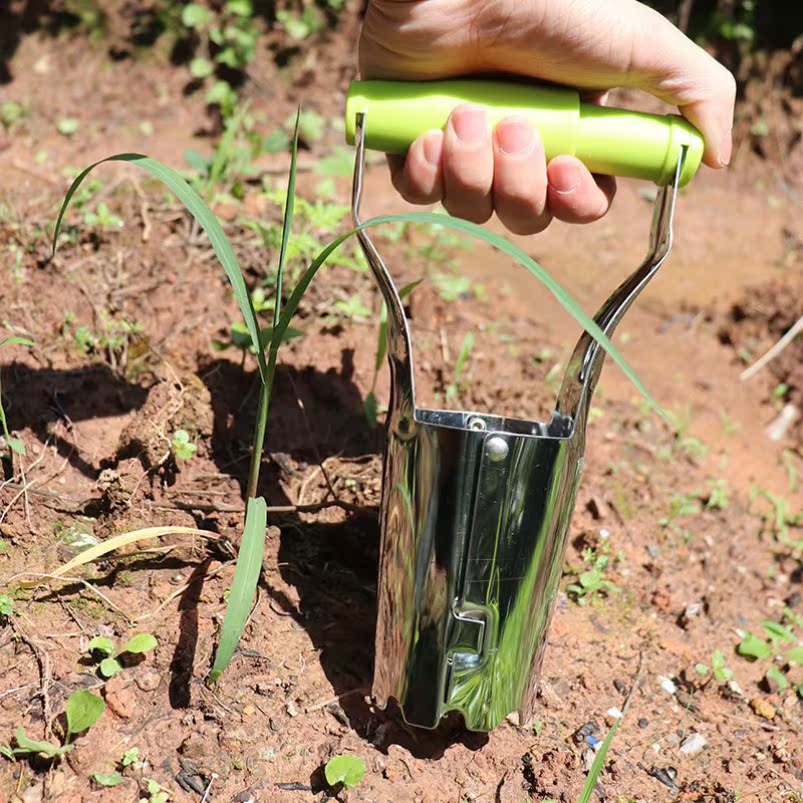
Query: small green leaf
[101, 644]
[774, 674]
[795, 656]
[701, 669]
[194, 15]
[83, 710]
[778, 632]
[16, 445]
[753, 647]
[109, 667]
[201, 68]
[345, 769]
[142, 642]
[107, 778]
[67, 126]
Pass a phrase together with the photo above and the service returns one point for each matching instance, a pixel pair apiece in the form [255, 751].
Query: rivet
[496, 449]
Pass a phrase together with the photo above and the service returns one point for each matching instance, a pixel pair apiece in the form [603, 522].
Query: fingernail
[566, 180]
[514, 136]
[470, 124]
[432, 147]
[726, 148]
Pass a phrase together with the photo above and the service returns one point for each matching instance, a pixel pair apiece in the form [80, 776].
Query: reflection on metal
[475, 512]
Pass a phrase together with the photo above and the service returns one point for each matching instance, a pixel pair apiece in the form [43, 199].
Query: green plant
[181, 445]
[103, 648]
[778, 519]
[11, 114]
[155, 791]
[591, 583]
[774, 645]
[82, 711]
[102, 218]
[457, 385]
[226, 40]
[9, 442]
[7, 609]
[130, 758]
[107, 779]
[718, 669]
[718, 496]
[346, 769]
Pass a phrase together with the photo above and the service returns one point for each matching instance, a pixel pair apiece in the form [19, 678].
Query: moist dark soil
[682, 511]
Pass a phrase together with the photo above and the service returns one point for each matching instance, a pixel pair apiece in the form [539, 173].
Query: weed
[82, 711]
[107, 779]
[155, 791]
[777, 518]
[102, 649]
[345, 769]
[773, 645]
[67, 126]
[458, 384]
[352, 308]
[7, 609]
[11, 114]
[130, 758]
[718, 668]
[591, 584]
[120, 344]
[718, 498]
[681, 506]
[181, 445]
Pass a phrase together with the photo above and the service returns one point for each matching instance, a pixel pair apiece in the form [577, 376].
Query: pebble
[643, 722]
[119, 697]
[693, 744]
[762, 708]
[667, 684]
[148, 680]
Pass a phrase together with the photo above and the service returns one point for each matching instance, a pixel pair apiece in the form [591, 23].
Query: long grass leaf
[597, 765]
[287, 223]
[243, 587]
[198, 208]
[117, 541]
[478, 232]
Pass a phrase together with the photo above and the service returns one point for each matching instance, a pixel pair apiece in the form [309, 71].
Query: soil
[97, 423]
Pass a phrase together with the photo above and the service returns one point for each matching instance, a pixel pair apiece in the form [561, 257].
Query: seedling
[774, 646]
[131, 758]
[181, 445]
[107, 779]
[718, 497]
[718, 668]
[82, 711]
[457, 385]
[6, 607]
[346, 769]
[103, 648]
[155, 791]
[353, 308]
[591, 583]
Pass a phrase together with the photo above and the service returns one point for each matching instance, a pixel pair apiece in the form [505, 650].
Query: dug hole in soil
[700, 522]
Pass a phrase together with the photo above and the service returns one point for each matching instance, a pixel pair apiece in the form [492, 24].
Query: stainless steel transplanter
[475, 513]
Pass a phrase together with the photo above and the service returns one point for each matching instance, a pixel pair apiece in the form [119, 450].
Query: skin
[593, 44]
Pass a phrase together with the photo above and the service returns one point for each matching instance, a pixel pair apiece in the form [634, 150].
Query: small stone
[275, 724]
[581, 734]
[612, 715]
[762, 708]
[291, 708]
[148, 680]
[249, 710]
[693, 744]
[642, 723]
[667, 684]
[119, 697]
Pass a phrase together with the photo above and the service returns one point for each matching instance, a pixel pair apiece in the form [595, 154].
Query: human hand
[593, 44]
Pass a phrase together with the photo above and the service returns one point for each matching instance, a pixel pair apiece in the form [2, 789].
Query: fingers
[468, 164]
[574, 195]
[475, 172]
[520, 177]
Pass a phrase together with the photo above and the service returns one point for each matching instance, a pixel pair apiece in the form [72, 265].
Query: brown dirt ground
[96, 428]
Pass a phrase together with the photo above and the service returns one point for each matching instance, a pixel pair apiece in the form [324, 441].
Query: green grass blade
[478, 232]
[287, 223]
[596, 767]
[198, 208]
[243, 587]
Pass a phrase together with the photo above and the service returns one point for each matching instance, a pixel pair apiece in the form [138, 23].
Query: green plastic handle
[611, 141]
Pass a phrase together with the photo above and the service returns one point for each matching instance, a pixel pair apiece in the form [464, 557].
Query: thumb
[667, 64]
